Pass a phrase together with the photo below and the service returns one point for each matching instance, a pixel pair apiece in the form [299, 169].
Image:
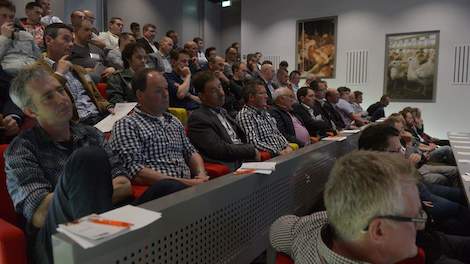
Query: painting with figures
[411, 66]
[316, 47]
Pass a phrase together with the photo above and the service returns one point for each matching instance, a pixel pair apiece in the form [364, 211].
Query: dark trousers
[86, 188]
[443, 248]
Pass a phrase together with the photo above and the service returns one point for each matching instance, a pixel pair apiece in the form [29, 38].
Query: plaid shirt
[304, 239]
[34, 163]
[142, 140]
[261, 130]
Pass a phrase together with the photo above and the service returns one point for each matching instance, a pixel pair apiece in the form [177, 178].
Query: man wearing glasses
[373, 213]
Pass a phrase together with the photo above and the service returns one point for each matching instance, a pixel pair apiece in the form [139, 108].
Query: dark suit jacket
[209, 136]
[270, 99]
[334, 116]
[314, 127]
[143, 42]
[285, 125]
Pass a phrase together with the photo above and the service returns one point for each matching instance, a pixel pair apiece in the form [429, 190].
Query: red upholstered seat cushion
[102, 89]
[283, 259]
[215, 170]
[138, 190]
[265, 155]
[7, 211]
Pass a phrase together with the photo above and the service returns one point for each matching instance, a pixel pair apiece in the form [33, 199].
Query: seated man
[232, 91]
[179, 82]
[114, 56]
[432, 173]
[46, 178]
[345, 108]
[17, 47]
[191, 48]
[161, 58]
[150, 142]
[119, 87]
[47, 16]
[356, 101]
[147, 40]
[111, 37]
[332, 97]
[259, 127]
[212, 131]
[373, 213]
[89, 56]
[304, 109]
[89, 106]
[287, 122]
[266, 76]
[377, 110]
[445, 204]
[32, 23]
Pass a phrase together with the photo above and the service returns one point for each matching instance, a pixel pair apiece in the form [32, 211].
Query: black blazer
[209, 136]
[143, 42]
[314, 127]
[334, 116]
[285, 125]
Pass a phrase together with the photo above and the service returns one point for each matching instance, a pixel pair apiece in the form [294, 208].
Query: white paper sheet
[350, 131]
[336, 138]
[139, 217]
[459, 137]
[464, 161]
[460, 141]
[120, 111]
[466, 177]
[463, 153]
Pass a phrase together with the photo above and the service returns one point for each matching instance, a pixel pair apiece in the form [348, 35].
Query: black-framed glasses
[420, 221]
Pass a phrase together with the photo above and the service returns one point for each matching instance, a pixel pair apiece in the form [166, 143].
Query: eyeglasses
[420, 221]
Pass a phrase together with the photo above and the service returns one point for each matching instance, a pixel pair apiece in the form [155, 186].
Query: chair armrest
[12, 244]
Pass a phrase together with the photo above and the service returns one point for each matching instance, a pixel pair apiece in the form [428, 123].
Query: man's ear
[377, 230]
[48, 39]
[28, 111]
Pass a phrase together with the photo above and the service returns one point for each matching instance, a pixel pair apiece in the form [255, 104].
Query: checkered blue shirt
[142, 140]
[261, 129]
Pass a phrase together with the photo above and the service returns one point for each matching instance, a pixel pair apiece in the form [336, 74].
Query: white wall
[270, 26]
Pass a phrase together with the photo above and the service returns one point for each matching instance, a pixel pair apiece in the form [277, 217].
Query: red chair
[138, 190]
[282, 258]
[215, 170]
[102, 89]
[265, 155]
[12, 238]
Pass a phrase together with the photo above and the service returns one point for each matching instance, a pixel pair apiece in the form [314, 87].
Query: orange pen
[110, 222]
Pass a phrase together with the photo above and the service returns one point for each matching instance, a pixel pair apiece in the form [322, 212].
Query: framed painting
[411, 66]
[316, 47]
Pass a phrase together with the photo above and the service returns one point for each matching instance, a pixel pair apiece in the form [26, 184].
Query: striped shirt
[34, 163]
[304, 239]
[159, 143]
[261, 130]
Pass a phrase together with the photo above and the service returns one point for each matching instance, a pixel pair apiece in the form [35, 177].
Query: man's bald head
[166, 45]
[332, 95]
[192, 48]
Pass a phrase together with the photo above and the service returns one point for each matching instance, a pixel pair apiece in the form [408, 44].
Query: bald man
[191, 48]
[161, 59]
[290, 125]
[266, 75]
[332, 97]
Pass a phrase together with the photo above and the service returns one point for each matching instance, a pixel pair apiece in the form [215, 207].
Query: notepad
[464, 161]
[350, 131]
[335, 138]
[461, 141]
[466, 177]
[257, 167]
[120, 111]
[138, 217]
[459, 137]
[463, 153]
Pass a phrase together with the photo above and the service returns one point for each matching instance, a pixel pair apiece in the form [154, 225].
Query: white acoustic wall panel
[356, 67]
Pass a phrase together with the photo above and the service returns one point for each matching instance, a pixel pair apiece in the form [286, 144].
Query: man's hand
[63, 65]
[111, 110]
[202, 176]
[7, 29]
[414, 158]
[107, 72]
[221, 76]
[192, 182]
[257, 155]
[186, 72]
[11, 126]
[285, 151]
[121, 189]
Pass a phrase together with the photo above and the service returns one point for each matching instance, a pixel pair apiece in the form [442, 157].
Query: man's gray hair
[19, 87]
[280, 92]
[363, 185]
